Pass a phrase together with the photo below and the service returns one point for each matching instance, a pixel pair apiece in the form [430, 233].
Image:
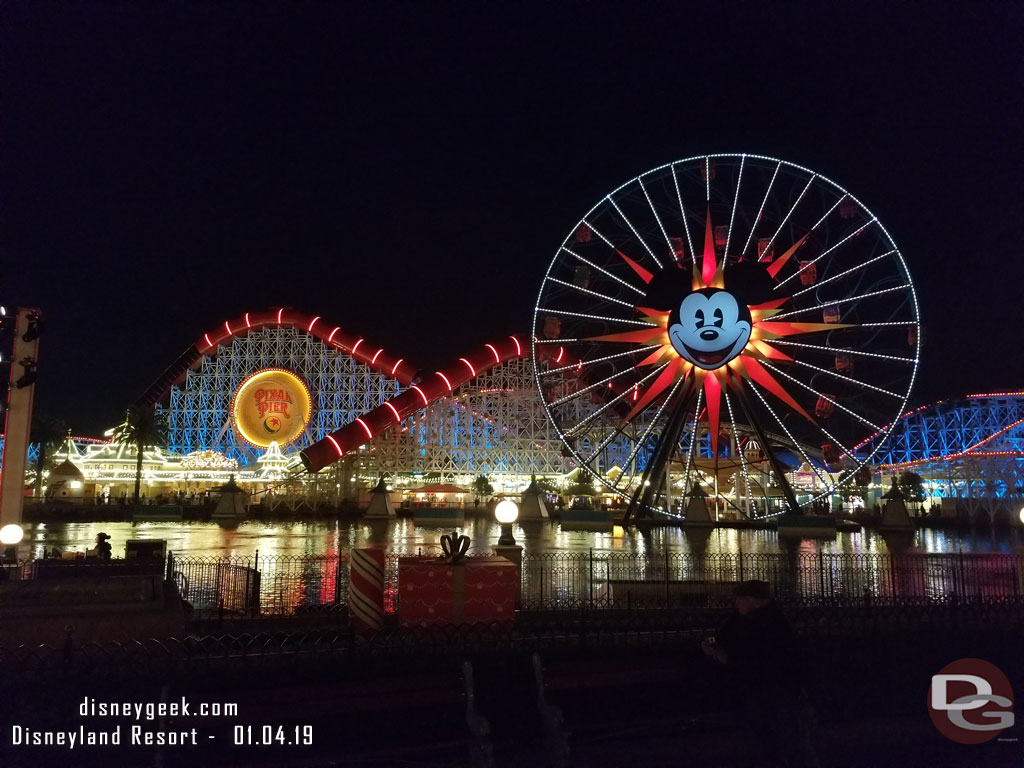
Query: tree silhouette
[142, 428]
[482, 486]
[48, 431]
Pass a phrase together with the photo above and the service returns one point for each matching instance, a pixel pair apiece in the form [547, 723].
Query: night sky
[407, 171]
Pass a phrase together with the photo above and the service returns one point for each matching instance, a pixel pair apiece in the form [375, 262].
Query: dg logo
[970, 701]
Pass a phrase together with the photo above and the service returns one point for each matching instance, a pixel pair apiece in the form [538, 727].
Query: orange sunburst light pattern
[710, 338]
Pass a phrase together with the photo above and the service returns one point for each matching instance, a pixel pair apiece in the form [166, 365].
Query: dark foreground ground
[632, 698]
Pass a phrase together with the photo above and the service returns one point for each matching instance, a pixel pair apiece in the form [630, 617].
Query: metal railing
[297, 585]
[289, 585]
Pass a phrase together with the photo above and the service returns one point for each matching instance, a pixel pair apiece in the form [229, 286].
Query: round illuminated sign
[272, 405]
[709, 328]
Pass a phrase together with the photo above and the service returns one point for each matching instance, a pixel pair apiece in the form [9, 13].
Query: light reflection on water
[403, 536]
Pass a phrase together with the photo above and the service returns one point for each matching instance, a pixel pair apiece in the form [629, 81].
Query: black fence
[260, 586]
[43, 666]
[295, 585]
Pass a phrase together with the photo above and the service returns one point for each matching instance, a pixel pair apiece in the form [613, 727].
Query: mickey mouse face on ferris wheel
[710, 328]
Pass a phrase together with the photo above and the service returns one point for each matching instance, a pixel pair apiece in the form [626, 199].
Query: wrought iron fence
[42, 666]
[617, 580]
[253, 586]
[288, 585]
[295, 585]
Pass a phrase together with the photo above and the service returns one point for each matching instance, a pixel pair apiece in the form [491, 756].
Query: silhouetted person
[758, 649]
[102, 549]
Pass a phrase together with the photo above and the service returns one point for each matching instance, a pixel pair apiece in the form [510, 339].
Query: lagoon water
[290, 536]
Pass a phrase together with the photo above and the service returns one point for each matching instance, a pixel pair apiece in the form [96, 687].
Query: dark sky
[408, 170]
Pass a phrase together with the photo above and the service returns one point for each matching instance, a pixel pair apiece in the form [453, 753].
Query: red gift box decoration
[477, 589]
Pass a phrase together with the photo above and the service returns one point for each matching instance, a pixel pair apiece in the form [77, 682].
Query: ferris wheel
[719, 323]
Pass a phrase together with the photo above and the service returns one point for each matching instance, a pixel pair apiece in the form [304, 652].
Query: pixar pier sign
[271, 405]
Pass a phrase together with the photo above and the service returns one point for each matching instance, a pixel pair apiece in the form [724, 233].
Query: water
[404, 537]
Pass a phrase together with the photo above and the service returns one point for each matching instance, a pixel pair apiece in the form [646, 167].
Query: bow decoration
[454, 546]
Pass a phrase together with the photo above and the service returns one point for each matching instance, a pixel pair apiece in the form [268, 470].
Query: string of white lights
[904, 323]
[739, 450]
[760, 210]
[593, 317]
[837, 351]
[827, 213]
[600, 359]
[850, 380]
[596, 232]
[842, 274]
[633, 230]
[735, 200]
[657, 218]
[601, 446]
[596, 385]
[682, 212]
[795, 204]
[657, 415]
[847, 300]
[809, 388]
[592, 265]
[825, 253]
[693, 437]
[835, 440]
[589, 292]
[789, 434]
[607, 405]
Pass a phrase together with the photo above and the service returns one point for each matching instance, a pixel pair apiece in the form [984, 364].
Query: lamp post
[506, 513]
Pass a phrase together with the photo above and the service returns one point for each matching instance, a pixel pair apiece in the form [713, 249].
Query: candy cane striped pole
[366, 590]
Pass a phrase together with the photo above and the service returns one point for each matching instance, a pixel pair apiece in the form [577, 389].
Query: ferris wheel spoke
[584, 363]
[633, 230]
[604, 271]
[596, 452]
[682, 212]
[838, 351]
[585, 316]
[657, 218]
[736, 442]
[783, 223]
[589, 292]
[693, 438]
[828, 213]
[849, 379]
[825, 397]
[837, 442]
[573, 431]
[732, 215]
[847, 300]
[789, 434]
[760, 210]
[597, 385]
[841, 275]
[654, 422]
[825, 253]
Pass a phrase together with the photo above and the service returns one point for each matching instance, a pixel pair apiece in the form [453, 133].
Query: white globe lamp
[506, 513]
[11, 534]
